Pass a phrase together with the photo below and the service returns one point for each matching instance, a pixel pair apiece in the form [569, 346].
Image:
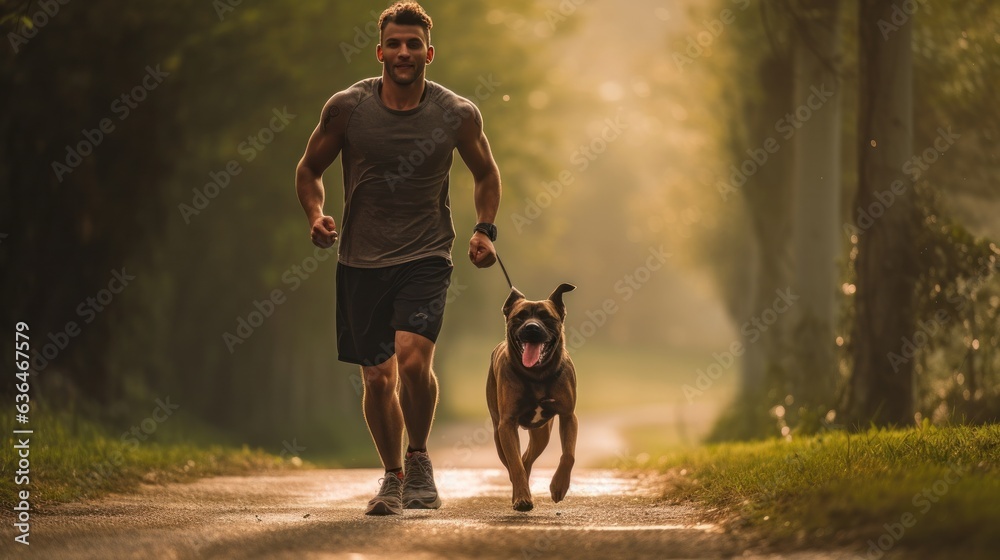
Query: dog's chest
[535, 407]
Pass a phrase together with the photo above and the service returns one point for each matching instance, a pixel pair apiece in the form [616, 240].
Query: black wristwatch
[489, 229]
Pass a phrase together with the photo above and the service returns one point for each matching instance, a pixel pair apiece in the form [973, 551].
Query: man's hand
[481, 250]
[324, 232]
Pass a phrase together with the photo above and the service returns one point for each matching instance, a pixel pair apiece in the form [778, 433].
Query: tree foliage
[955, 54]
[189, 189]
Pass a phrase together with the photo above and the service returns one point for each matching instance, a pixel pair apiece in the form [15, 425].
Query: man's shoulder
[447, 98]
[352, 96]
[453, 104]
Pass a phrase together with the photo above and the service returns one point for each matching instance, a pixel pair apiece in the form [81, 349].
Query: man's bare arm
[323, 148]
[475, 151]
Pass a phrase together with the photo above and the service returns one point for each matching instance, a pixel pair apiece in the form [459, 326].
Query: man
[397, 133]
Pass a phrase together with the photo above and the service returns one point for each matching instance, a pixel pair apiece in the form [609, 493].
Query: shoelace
[388, 487]
[425, 481]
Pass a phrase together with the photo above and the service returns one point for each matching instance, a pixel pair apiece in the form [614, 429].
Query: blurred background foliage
[610, 147]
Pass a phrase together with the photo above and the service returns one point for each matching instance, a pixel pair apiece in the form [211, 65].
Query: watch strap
[489, 229]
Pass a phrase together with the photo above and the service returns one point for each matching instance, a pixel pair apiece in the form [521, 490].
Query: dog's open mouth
[533, 353]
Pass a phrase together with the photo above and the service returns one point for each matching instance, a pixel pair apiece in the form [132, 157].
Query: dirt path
[319, 514]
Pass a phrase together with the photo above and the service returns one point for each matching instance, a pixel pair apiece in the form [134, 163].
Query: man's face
[404, 52]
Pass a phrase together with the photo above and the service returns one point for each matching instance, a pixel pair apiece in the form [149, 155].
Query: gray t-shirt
[396, 171]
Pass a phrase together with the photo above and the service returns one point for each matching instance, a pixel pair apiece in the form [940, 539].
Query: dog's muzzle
[533, 344]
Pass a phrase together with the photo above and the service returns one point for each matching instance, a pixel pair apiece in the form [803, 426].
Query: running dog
[531, 381]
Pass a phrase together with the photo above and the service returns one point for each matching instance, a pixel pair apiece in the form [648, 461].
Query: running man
[397, 134]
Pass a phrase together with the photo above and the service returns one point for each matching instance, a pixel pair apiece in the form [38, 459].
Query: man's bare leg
[419, 397]
[418, 392]
[383, 412]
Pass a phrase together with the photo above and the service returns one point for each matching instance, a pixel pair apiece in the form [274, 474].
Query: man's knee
[381, 379]
[414, 365]
[414, 355]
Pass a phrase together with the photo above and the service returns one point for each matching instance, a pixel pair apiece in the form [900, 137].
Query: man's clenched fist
[481, 250]
[324, 232]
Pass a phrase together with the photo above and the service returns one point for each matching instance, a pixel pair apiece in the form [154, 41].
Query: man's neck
[401, 98]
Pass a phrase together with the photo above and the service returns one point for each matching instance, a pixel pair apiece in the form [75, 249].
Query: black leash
[504, 269]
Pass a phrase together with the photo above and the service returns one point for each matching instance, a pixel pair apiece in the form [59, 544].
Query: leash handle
[504, 269]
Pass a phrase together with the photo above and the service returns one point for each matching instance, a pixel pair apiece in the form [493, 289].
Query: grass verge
[929, 489]
[72, 459]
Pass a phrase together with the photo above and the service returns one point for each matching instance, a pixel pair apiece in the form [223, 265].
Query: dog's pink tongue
[532, 351]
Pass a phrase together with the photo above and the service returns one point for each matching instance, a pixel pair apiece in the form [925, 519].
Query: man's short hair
[406, 13]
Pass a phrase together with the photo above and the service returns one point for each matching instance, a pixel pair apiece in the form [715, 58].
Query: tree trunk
[881, 391]
[768, 197]
[817, 185]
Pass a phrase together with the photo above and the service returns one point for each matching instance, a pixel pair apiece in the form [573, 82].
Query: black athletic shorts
[374, 303]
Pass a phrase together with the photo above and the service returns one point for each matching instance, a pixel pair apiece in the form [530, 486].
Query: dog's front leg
[511, 442]
[567, 434]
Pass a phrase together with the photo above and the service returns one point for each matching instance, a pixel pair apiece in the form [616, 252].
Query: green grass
[844, 489]
[73, 459]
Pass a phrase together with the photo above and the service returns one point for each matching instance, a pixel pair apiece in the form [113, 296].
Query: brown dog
[532, 380]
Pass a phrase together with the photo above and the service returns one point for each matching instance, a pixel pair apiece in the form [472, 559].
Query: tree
[767, 251]
[881, 389]
[817, 188]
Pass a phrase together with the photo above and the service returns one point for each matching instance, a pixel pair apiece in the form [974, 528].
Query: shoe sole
[382, 508]
[420, 504]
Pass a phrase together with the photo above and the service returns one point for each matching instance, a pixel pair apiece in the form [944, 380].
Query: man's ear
[514, 297]
[378, 52]
[430, 53]
[556, 298]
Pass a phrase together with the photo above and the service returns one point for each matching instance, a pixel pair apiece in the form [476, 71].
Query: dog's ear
[556, 298]
[514, 297]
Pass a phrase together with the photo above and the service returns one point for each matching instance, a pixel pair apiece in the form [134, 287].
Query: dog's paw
[559, 487]
[523, 505]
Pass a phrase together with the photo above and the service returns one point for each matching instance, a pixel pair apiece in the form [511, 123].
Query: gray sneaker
[419, 491]
[389, 500]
